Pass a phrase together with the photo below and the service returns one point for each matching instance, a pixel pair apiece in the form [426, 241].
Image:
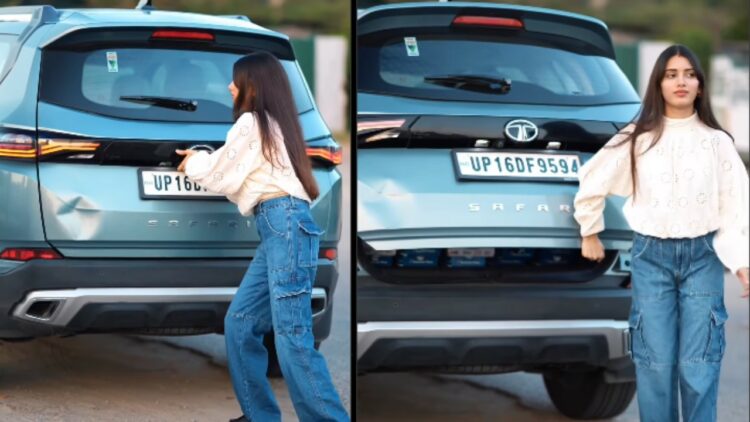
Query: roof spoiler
[37, 16]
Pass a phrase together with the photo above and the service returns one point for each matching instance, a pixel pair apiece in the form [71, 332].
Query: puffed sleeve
[224, 170]
[606, 173]
[731, 240]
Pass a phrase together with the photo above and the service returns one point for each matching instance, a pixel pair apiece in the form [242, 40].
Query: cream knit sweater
[691, 183]
[240, 171]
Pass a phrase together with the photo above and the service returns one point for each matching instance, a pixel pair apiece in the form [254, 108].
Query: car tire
[586, 395]
[274, 369]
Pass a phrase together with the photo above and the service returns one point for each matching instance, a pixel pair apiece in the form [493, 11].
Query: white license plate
[516, 165]
[169, 184]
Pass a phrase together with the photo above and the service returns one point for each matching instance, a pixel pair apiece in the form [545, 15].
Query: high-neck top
[690, 183]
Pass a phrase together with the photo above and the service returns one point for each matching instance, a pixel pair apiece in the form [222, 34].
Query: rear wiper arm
[166, 102]
[472, 82]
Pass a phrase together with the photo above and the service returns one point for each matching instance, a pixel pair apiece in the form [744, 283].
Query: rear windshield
[538, 73]
[95, 80]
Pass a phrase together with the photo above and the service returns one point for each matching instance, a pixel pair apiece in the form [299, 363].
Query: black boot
[240, 419]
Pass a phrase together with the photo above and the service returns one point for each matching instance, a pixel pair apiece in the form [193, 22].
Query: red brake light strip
[183, 35]
[488, 21]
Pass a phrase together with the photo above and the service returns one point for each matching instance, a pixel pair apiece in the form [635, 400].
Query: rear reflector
[329, 155]
[183, 35]
[14, 254]
[328, 254]
[488, 21]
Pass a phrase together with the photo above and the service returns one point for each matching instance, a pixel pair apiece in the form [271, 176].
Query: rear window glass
[538, 74]
[95, 81]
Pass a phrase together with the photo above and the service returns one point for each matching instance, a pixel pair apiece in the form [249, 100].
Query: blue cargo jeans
[276, 294]
[677, 327]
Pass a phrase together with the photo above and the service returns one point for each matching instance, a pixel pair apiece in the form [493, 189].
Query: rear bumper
[601, 299]
[401, 345]
[493, 325]
[42, 298]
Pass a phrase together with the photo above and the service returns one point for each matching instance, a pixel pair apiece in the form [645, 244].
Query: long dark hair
[650, 118]
[263, 88]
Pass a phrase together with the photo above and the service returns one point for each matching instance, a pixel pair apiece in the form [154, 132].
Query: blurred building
[728, 84]
[730, 93]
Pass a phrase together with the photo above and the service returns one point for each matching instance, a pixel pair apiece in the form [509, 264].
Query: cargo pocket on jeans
[293, 314]
[716, 340]
[637, 345]
[309, 243]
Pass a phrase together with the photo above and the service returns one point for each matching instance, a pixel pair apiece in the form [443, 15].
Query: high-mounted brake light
[330, 155]
[488, 21]
[19, 254]
[183, 35]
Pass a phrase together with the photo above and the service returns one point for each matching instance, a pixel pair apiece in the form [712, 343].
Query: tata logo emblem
[521, 131]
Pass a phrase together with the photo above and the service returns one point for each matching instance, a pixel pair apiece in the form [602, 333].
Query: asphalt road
[135, 378]
[521, 397]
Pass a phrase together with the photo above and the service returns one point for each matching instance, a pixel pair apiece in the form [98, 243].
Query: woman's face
[680, 85]
[233, 90]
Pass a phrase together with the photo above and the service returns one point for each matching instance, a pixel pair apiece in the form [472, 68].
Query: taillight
[18, 254]
[14, 145]
[511, 23]
[328, 155]
[329, 253]
[378, 130]
[49, 147]
[182, 35]
[371, 125]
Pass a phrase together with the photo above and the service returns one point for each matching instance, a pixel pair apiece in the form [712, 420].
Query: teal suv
[98, 231]
[472, 122]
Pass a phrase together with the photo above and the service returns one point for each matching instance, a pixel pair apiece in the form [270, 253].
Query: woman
[687, 203]
[263, 168]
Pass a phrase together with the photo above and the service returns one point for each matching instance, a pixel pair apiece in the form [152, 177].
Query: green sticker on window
[112, 61]
[412, 49]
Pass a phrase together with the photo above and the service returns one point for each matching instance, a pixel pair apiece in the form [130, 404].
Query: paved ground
[521, 397]
[129, 378]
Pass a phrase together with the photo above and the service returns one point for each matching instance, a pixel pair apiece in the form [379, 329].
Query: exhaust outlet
[43, 309]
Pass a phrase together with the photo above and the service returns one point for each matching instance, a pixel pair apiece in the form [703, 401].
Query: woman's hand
[744, 277]
[592, 248]
[187, 153]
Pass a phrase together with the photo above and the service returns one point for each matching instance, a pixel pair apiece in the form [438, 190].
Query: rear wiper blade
[166, 102]
[472, 82]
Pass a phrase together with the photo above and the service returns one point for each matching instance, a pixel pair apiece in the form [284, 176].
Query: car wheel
[585, 395]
